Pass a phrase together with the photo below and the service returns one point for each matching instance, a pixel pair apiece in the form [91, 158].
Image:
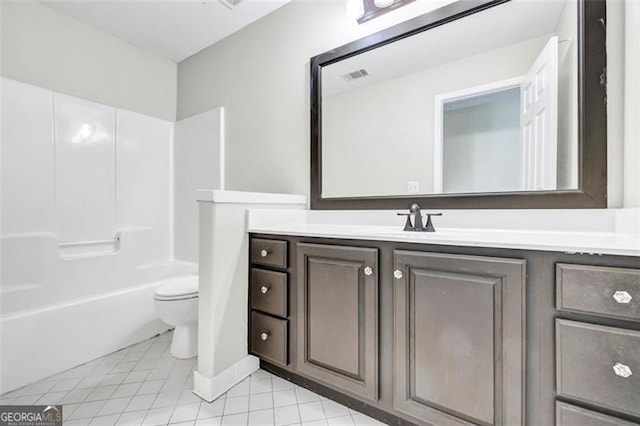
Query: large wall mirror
[483, 104]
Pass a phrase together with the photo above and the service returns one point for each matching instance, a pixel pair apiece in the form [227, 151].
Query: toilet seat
[178, 289]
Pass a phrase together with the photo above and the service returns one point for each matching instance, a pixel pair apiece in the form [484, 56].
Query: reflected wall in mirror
[486, 102]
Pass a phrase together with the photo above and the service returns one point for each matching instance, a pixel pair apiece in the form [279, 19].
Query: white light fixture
[355, 9]
[383, 3]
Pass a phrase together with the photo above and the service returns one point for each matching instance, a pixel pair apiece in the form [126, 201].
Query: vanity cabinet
[598, 356]
[435, 335]
[458, 337]
[338, 317]
[269, 300]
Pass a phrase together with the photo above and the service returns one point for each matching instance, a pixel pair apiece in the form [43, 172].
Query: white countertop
[616, 230]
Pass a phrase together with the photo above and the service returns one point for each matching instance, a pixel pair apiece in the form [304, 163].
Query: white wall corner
[210, 388]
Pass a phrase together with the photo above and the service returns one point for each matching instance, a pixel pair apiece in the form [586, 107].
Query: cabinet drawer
[269, 291]
[269, 338]
[569, 415]
[608, 292]
[269, 252]
[599, 364]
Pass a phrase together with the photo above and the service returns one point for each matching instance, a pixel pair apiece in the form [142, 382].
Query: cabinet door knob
[264, 289]
[622, 370]
[622, 297]
[397, 274]
[263, 253]
[264, 336]
[368, 270]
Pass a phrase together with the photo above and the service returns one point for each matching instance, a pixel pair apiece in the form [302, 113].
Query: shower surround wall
[86, 192]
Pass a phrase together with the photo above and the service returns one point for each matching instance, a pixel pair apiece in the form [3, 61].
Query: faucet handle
[407, 224]
[429, 227]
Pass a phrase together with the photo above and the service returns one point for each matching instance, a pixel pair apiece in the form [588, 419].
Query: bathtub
[60, 310]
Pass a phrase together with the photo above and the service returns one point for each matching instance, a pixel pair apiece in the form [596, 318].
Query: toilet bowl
[176, 304]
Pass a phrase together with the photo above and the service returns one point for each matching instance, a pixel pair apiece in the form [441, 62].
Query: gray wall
[46, 48]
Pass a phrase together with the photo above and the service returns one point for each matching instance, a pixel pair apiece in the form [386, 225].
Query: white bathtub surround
[224, 246]
[40, 342]
[85, 232]
[199, 163]
[594, 231]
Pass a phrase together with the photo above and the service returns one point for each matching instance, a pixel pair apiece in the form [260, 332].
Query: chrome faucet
[417, 220]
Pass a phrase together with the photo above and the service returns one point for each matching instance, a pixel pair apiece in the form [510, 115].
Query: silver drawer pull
[622, 370]
[263, 253]
[264, 336]
[264, 289]
[622, 297]
[397, 274]
[368, 270]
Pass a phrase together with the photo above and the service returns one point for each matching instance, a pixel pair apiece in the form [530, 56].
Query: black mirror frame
[592, 119]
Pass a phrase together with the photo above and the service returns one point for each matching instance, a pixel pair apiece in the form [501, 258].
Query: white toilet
[177, 305]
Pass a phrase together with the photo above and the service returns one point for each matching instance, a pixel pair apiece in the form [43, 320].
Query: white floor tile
[86, 410]
[260, 401]
[261, 375]
[133, 418]
[340, 421]
[284, 398]
[152, 386]
[105, 420]
[241, 389]
[158, 416]
[76, 396]
[287, 415]
[52, 398]
[311, 411]
[305, 395]
[261, 386]
[280, 384]
[66, 385]
[140, 402]
[235, 420]
[211, 421]
[144, 384]
[321, 422]
[166, 399]
[101, 393]
[126, 389]
[114, 406]
[361, 419]
[187, 412]
[213, 409]
[333, 409]
[261, 418]
[113, 379]
[239, 404]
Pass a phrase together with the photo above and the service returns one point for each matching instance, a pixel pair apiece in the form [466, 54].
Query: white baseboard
[210, 388]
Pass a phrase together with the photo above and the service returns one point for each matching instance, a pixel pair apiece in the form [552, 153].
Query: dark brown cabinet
[338, 317]
[432, 335]
[269, 301]
[459, 338]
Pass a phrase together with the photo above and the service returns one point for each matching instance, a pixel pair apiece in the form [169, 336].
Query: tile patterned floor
[144, 385]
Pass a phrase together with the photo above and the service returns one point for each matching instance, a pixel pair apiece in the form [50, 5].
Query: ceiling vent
[230, 3]
[354, 75]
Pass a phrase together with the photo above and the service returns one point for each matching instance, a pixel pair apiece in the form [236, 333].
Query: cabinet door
[459, 336]
[338, 317]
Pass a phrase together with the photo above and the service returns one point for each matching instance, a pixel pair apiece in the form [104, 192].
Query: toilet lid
[178, 288]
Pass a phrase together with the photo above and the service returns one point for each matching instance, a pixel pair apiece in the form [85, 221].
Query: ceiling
[174, 29]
